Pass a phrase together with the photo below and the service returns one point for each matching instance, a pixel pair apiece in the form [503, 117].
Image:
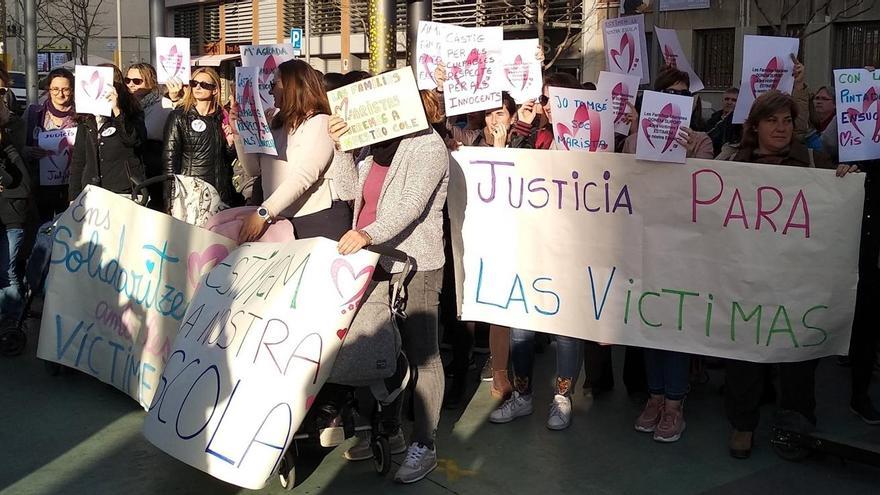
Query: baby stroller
[370, 356]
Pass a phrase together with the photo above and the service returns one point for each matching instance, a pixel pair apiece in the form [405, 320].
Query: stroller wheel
[287, 471]
[786, 446]
[53, 369]
[12, 341]
[381, 455]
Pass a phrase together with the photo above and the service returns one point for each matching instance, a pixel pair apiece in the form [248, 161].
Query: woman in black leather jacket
[198, 141]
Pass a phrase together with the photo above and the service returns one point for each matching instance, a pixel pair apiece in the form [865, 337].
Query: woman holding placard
[399, 205]
[769, 138]
[107, 151]
[56, 113]
[197, 141]
[299, 182]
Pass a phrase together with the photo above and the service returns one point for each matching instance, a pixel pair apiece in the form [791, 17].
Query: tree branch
[766, 17]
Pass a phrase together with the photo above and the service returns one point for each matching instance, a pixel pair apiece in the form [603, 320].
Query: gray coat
[409, 216]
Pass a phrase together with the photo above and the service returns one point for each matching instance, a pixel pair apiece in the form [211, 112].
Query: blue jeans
[668, 373]
[568, 361]
[10, 279]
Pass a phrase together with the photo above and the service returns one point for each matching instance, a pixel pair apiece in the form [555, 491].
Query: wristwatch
[263, 212]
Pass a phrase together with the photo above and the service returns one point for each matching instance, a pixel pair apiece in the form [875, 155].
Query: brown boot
[501, 387]
[741, 444]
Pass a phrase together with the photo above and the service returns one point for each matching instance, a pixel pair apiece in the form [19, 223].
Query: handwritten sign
[120, 279]
[266, 58]
[429, 50]
[582, 120]
[626, 51]
[252, 352]
[253, 127]
[662, 116]
[472, 72]
[55, 168]
[93, 84]
[673, 56]
[766, 65]
[379, 108]
[736, 260]
[173, 56]
[622, 91]
[858, 114]
[521, 69]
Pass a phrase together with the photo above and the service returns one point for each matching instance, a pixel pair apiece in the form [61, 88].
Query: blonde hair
[189, 101]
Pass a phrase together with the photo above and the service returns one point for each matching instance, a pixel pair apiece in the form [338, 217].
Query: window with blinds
[858, 44]
[239, 16]
[211, 23]
[506, 12]
[294, 14]
[186, 25]
[268, 25]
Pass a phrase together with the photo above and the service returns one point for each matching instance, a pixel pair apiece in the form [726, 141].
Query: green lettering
[642, 315]
[681, 296]
[738, 309]
[810, 327]
[787, 329]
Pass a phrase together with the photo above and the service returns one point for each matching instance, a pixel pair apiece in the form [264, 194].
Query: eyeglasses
[202, 84]
[680, 92]
[544, 100]
[60, 91]
[133, 80]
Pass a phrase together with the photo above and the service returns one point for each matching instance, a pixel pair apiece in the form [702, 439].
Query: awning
[213, 60]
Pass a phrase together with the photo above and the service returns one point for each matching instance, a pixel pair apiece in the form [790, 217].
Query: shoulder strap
[812, 161]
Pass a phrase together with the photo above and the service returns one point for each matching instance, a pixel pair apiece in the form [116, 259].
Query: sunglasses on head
[133, 80]
[680, 92]
[204, 85]
[544, 99]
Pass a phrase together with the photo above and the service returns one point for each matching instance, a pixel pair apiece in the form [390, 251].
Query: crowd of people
[393, 194]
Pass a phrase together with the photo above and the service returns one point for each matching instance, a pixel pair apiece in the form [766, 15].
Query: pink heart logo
[172, 62]
[198, 264]
[583, 117]
[517, 70]
[267, 74]
[427, 61]
[869, 99]
[620, 96]
[342, 109]
[341, 333]
[769, 76]
[669, 56]
[366, 273]
[93, 86]
[478, 58]
[669, 113]
[628, 46]
[250, 101]
[63, 152]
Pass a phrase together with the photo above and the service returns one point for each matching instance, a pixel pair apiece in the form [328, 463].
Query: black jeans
[745, 385]
[600, 375]
[331, 223]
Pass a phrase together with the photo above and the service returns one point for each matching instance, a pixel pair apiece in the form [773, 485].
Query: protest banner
[673, 56]
[92, 86]
[858, 114]
[174, 59]
[521, 69]
[253, 127]
[379, 108]
[741, 261]
[266, 58]
[766, 65]
[429, 50]
[662, 116]
[473, 79]
[626, 51]
[120, 279]
[55, 168]
[255, 347]
[582, 120]
[622, 91]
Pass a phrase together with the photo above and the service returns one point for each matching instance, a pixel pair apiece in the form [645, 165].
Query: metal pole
[118, 35]
[345, 34]
[30, 49]
[383, 35]
[157, 26]
[416, 10]
[307, 32]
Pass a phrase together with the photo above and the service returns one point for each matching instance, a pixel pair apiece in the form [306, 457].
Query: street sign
[296, 39]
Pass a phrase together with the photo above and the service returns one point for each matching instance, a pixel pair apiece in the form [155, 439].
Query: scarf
[150, 99]
[68, 118]
[383, 153]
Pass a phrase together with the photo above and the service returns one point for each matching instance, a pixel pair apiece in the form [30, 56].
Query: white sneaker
[363, 450]
[560, 413]
[419, 461]
[517, 405]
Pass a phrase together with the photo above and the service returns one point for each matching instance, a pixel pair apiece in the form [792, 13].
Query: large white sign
[472, 71]
[582, 120]
[253, 350]
[673, 56]
[858, 114]
[626, 51]
[120, 280]
[266, 58]
[767, 64]
[742, 261]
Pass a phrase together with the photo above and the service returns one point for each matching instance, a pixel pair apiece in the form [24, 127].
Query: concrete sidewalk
[73, 434]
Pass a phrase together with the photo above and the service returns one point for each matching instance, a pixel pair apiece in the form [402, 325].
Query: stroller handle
[398, 294]
[140, 189]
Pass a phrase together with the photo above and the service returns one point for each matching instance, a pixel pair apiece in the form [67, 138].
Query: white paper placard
[521, 69]
[766, 65]
[674, 56]
[173, 57]
[582, 120]
[266, 58]
[253, 127]
[858, 114]
[662, 116]
[622, 91]
[626, 51]
[473, 79]
[55, 168]
[92, 87]
[430, 50]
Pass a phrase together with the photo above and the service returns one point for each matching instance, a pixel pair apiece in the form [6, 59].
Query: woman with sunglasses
[107, 151]
[141, 81]
[673, 81]
[299, 183]
[56, 113]
[197, 141]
